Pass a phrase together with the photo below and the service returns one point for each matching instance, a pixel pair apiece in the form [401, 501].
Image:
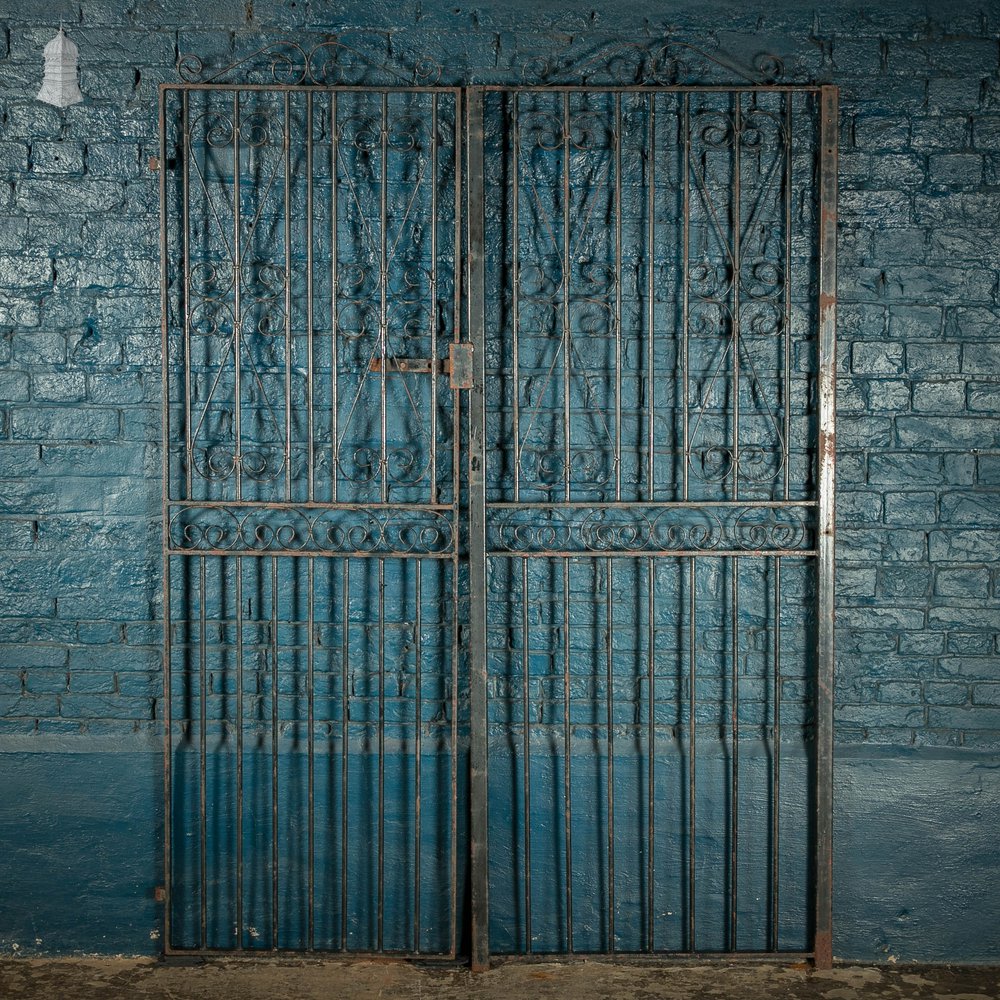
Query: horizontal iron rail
[311, 88]
[650, 504]
[647, 553]
[655, 88]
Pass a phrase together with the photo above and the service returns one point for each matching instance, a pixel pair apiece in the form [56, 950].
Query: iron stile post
[202, 756]
[418, 712]
[829, 119]
[477, 537]
[345, 716]
[275, 927]
[567, 758]
[165, 524]
[526, 751]
[692, 753]
[456, 484]
[286, 194]
[311, 749]
[334, 316]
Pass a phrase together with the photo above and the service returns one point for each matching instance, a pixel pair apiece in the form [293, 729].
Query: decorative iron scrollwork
[607, 530]
[409, 530]
[327, 63]
[665, 61]
[331, 62]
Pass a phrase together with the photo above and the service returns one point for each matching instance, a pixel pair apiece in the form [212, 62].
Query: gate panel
[313, 756]
[651, 334]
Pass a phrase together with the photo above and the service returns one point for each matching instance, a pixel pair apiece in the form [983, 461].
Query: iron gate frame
[469, 139]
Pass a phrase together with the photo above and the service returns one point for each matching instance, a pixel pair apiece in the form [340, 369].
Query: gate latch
[458, 365]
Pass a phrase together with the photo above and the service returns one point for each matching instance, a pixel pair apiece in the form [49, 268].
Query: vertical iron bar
[287, 139]
[776, 765]
[516, 291]
[693, 748]
[237, 303]
[650, 306]
[651, 764]
[310, 724]
[310, 431]
[383, 304]
[334, 291]
[737, 216]
[381, 749]
[685, 303]
[275, 929]
[456, 484]
[165, 519]
[345, 711]
[734, 722]
[618, 307]
[202, 754]
[567, 772]
[566, 264]
[786, 446]
[526, 752]
[477, 537]
[610, 707]
[418, 752]
[239, 753]
[827, 458]
[433, 292]
[186, 213]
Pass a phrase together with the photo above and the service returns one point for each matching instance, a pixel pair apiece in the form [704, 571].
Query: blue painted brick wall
[919, 410]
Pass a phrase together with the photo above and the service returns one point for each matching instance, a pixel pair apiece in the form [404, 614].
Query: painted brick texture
[919, 334]
[919, 434]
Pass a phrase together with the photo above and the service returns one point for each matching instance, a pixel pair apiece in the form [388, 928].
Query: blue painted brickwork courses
[919, 434]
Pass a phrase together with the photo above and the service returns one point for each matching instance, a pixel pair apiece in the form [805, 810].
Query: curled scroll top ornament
[333, 62]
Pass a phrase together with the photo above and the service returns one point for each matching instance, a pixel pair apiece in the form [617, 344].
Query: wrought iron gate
[548, 674]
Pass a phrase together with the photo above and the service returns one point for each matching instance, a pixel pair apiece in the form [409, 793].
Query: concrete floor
[110, 979]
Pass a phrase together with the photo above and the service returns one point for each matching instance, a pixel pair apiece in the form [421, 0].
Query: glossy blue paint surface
[918, 719]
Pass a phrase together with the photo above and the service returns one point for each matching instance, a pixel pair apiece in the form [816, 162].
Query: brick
[947, 432]
[892, 395]
[881, 132]
[960, 93]
[903, 580]
[68, 197]
[13, 387]
[96, 706]
[93, 682]
[42, 681]
[64, 423]
[900, 716]
[933, 359]
[970, 644]
[63, 157]
[63, 387]
[956, 169]
[986, 694]
[984, 397]
[941, 693]
[945, 396]
[877, 359]
[971, 582]
[29, 706]
[900, 693]
[979, 509]
[972, 717]
[914, 322]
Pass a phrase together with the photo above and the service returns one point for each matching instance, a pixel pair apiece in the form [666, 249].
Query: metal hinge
[458, 365]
